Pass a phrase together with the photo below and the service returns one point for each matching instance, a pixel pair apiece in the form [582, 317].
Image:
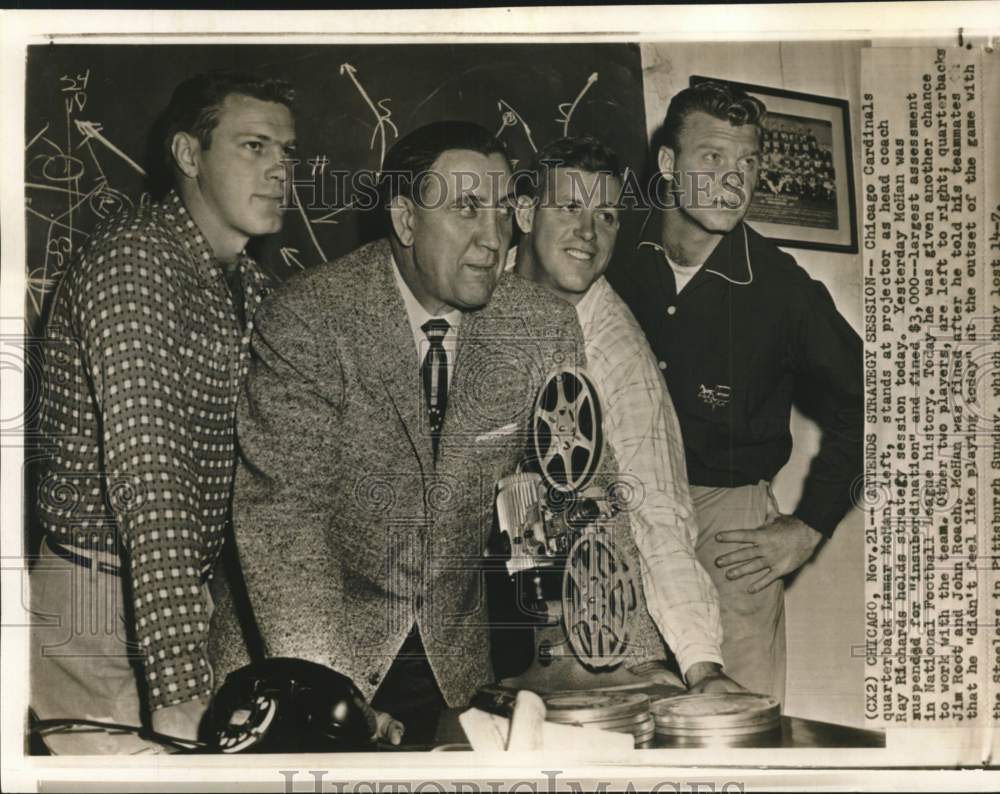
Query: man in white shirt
[569, 229]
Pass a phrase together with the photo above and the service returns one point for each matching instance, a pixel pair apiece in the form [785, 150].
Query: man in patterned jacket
[149, 336]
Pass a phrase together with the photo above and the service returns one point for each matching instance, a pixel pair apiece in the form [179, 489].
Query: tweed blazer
[347, 529]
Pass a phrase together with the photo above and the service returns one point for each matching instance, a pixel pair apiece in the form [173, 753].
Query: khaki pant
[753, 625]
[82, 663]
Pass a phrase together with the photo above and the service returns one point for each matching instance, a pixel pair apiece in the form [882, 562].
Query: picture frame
[805, 193]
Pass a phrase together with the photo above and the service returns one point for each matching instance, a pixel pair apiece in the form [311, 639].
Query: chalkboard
[91, 110]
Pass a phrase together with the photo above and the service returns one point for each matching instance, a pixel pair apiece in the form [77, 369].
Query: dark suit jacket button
[373, 678]
[418, 601]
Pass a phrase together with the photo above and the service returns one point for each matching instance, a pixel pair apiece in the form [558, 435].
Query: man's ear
[402, 216]
[665, 162]
[524, 211]
[186, 149]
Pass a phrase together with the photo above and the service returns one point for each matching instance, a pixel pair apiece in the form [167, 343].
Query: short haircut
[196, 102]
[584, 153]
[721, 100]
[409, 161]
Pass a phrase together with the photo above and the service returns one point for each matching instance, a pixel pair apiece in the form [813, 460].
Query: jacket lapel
[394, 355]
[449, 430]
[487, 387]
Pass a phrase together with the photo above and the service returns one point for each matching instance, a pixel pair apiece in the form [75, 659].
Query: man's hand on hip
[773, 550]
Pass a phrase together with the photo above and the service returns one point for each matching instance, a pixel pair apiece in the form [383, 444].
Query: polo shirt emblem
[717, 396]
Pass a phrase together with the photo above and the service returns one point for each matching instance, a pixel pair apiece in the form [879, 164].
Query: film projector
[571, 579]
[583, 591]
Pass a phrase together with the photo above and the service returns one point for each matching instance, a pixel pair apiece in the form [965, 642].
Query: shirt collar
[510, 262]
[418, 315]
[730, 259]
[588, 305]
[187, 231]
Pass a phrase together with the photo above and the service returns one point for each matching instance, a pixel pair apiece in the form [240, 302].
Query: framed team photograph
[804, 197]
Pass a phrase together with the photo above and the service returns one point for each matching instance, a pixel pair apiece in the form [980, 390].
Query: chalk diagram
[566, 109]
[383, 116]
[69, 187]
[67, 190]
[383, 126]
[510, 118]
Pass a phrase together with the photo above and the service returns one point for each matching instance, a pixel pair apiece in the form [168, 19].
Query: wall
[825, 603]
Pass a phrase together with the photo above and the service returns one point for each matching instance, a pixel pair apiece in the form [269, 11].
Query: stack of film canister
[734, 719]
[620, 712]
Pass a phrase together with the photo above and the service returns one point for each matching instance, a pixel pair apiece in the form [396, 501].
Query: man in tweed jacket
[360, 535]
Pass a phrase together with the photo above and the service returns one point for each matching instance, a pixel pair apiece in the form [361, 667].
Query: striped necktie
[435, 375]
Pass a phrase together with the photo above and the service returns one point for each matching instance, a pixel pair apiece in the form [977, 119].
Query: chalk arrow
[380, 120]
[329, 217]
[291, 258]
[88, 129]
[567, 108]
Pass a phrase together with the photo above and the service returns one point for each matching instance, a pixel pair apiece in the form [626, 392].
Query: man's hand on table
[771, 551]
[388, 729]
[181, 720]
[707, 678]
[656, 672]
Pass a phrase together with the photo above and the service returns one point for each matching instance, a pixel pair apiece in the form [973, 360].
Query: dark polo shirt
[749, 334]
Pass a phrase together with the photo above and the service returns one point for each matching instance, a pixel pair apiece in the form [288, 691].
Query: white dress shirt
[641, 427]
[418, 315]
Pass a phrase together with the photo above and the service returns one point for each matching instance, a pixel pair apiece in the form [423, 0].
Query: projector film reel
[599, 599]
[599, 592]
[567, 431]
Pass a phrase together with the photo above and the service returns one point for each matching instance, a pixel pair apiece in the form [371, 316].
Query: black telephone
[283, 705]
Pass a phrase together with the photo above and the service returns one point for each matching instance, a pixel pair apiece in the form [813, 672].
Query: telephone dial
[283, 705]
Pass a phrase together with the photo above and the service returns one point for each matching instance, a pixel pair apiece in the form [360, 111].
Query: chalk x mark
[57, 221]
[38, 135]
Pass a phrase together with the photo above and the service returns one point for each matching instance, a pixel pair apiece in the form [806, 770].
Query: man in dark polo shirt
[739, 331]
